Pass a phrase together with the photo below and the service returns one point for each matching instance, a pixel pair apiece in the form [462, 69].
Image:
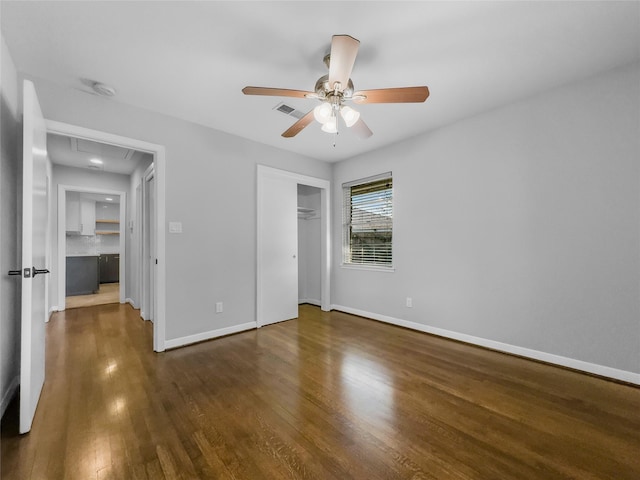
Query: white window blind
[368, 221]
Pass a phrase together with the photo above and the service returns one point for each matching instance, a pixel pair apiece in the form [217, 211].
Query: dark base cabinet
[82, 275]
[110, 268]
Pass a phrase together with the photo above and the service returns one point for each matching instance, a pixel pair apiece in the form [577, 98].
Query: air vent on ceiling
[100, 149]
[288, 110]
[285, 109]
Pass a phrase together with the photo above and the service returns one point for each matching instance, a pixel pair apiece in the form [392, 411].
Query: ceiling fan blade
[361, 129]
[297, 127]
[275, 92]
[344, 49]
[392, 95]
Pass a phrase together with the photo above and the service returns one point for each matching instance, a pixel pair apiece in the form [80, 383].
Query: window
[368, 221]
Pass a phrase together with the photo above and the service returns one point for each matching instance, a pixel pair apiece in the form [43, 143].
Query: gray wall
[210, 188]
[10, 171]
[520, 225]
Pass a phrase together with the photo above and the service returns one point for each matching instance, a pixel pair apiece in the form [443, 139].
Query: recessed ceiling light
[96, 161]
[109, 199]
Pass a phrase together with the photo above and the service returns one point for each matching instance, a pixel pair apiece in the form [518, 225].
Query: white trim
[131, 302]
[372, 178]
[159, 159]
[200, 337]
[65, 129]
[370, 268]
[601, 370]
[325, 232]
[9, 394]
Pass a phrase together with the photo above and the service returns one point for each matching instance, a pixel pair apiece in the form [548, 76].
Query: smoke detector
[103, 89]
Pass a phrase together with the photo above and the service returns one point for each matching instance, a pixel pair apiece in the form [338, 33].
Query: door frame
[62, 222]
[159, 160]
[325, 232]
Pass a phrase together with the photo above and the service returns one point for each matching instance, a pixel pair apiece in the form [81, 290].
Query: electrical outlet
[219, 307]
[409, 302]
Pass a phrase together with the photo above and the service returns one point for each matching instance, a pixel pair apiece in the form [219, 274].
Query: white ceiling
[78, 153]
[191, 59]
[101, 198]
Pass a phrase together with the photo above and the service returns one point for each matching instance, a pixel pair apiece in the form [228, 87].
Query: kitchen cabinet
[73, 212]
[82, 275]
[81, 214]
[109, 268]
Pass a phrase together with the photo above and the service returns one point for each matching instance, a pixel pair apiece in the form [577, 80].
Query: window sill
[372, 268]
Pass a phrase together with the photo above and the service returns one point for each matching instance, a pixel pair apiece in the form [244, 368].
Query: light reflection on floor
[368, 386]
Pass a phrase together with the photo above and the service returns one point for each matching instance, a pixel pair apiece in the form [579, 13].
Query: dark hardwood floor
[327, 396]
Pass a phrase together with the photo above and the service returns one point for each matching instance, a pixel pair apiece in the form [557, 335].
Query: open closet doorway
[309, 246]
[278, 267]
[130, 232]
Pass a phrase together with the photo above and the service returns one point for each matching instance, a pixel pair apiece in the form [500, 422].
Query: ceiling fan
[336, 89]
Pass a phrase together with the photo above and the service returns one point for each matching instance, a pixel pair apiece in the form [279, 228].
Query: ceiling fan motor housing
[324, 90]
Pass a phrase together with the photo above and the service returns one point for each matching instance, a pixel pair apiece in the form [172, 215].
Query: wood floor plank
[107, 293]
[327, 396]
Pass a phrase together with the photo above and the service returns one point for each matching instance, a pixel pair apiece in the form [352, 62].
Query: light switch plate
[175, 227]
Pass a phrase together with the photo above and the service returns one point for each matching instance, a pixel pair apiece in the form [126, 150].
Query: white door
[148, 247]
[278, 245]
[34, 225]
[152, 248]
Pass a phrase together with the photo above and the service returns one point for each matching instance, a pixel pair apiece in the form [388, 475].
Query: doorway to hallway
[132, 228]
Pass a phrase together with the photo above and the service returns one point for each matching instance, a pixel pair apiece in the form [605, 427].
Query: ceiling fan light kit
[323, 112]
[331, 125]
[336, 88]
[349, 115]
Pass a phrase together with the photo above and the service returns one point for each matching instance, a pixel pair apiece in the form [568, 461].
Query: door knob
[15, 272]
[36, 271]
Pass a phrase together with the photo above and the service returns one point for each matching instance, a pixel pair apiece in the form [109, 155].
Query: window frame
[346, 224]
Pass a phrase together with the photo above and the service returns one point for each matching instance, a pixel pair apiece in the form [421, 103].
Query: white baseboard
[199, 337]
[131, 302]
[52, 310]
[310, 301]
[601, 370]
[8, 395]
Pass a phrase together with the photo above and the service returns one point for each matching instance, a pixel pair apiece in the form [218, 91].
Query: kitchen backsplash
[92, 244]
